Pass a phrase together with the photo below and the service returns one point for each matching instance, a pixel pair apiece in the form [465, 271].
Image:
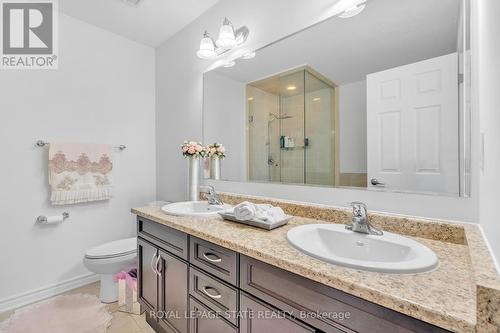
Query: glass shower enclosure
[291, 128]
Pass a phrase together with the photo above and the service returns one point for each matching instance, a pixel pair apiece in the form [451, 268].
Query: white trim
[486, 241]
[35, 295]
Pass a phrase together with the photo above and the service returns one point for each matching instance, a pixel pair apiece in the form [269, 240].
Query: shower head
[273, 117]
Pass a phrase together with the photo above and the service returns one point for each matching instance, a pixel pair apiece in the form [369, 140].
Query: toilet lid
[117, 248]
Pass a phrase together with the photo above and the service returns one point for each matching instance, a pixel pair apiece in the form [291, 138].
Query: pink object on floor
[131, 282]
[79, 313]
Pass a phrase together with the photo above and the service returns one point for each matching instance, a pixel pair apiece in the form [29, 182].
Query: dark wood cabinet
[204, 320]
[197, 285]
[163, 278]
[258, 317]
[173, 293]
[147, 285]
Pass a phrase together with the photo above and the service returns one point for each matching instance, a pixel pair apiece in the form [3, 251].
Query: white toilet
[107, 260]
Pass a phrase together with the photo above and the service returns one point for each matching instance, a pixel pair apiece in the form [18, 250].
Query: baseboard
[35, 295]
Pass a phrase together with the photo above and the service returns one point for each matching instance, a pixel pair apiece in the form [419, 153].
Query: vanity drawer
[174, 241]
[215, 293]
[261, 317]
[214, 259]
[202, 320]
[342, 312]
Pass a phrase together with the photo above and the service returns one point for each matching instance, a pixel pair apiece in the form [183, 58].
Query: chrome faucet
[212, 197]
[360, 221]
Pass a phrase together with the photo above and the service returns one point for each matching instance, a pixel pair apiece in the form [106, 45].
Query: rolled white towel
[276, 214]
[245, 211]
[273, 214]
[261, 211]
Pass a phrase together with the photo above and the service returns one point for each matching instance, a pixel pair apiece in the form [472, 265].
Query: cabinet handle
[205, 290]
[158, 270]
[205, 255]
[153, 264]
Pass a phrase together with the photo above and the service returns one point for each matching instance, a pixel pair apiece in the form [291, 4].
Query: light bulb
[226, 38]
[207, 47]
[291, 88]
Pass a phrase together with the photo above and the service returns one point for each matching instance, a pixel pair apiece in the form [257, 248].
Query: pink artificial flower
[213, 150]
[184, 149]
[191, 150]
[221, 149]
[199, 148]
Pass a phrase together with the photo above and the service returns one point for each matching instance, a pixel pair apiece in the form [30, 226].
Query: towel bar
[41, 143]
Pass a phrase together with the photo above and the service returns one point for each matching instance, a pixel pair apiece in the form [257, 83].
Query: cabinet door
[173, 293]
[203, 320]
[258, 317]
[147, 282]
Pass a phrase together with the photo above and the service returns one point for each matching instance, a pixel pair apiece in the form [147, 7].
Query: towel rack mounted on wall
[41, 143]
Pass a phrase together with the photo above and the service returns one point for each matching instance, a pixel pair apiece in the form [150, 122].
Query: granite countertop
[445, 297]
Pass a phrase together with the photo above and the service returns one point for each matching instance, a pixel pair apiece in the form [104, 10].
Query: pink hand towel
[79, 173]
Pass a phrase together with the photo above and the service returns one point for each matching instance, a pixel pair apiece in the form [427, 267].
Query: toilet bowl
[107, 260]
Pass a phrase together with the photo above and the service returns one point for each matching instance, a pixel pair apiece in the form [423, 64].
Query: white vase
[193, 180]
[215, 168]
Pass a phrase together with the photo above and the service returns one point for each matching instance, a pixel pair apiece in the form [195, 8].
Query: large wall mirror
[378, 101]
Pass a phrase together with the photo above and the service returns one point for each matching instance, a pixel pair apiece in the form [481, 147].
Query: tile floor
[121, 322]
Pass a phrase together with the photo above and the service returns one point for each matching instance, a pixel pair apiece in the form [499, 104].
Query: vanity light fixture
[207, 47]
[291, 88]
[228, 39]
[316, 99]
[353, 11]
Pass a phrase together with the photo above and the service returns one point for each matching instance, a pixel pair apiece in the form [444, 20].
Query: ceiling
[387, 34]
[151, 22]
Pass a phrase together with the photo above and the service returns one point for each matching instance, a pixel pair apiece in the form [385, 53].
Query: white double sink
[333, 243]
[388, 253]
[193, 208]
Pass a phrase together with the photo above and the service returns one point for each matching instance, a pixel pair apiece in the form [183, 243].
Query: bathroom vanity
[205, 274]
[188, 278]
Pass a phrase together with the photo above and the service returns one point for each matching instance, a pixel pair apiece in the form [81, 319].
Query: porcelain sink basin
[193, 208]
[389, 253]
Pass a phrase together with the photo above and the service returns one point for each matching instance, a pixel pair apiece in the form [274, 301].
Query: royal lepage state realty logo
[29, 34]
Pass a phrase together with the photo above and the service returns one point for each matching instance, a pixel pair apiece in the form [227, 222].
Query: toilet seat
[115, 249]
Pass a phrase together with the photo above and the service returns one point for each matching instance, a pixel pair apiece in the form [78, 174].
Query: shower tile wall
[292, 159]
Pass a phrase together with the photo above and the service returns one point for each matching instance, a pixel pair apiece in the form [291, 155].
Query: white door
[412, 114]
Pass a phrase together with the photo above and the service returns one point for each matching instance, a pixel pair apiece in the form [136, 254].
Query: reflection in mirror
[290, 128]
[377, 100]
